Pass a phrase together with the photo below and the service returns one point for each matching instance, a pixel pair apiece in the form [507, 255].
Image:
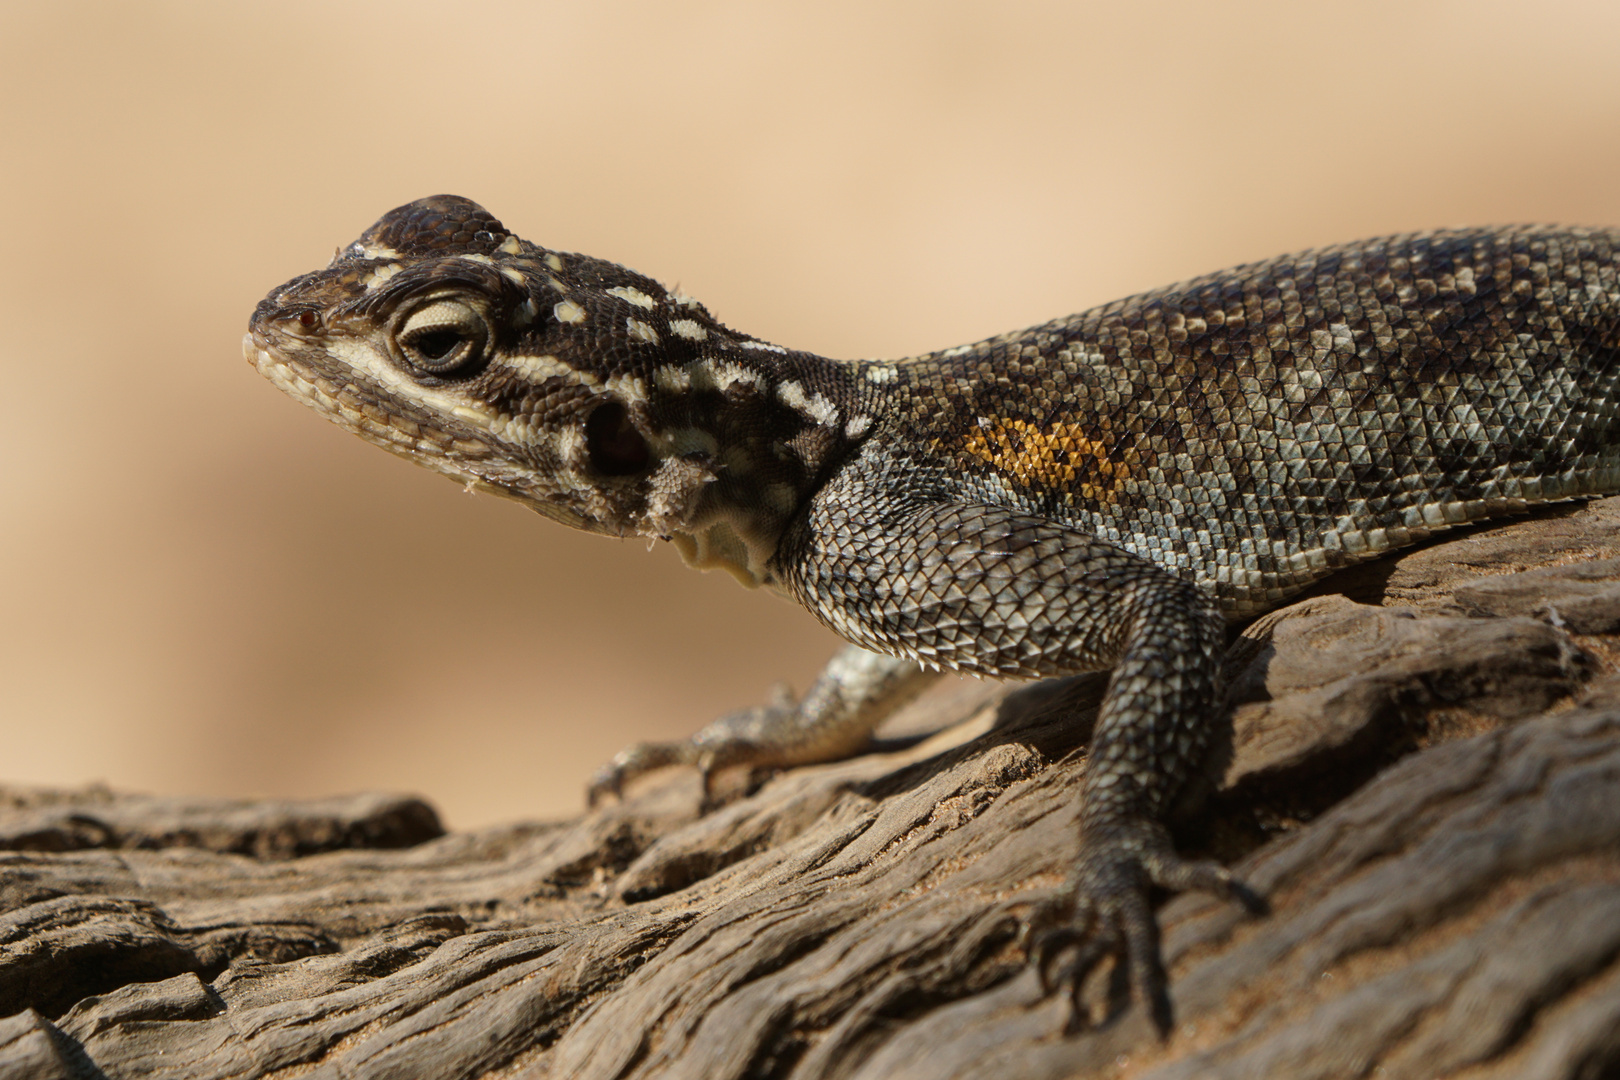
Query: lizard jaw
[457, 451]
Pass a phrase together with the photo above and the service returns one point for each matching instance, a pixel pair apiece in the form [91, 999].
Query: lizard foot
[733, 739]
[834, 720]
[1104, 910]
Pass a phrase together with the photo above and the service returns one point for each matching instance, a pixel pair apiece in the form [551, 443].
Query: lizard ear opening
[615, 446]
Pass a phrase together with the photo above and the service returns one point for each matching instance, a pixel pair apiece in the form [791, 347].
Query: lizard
[1111, 490]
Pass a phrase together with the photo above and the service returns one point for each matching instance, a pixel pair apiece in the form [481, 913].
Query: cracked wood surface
[1423, 776]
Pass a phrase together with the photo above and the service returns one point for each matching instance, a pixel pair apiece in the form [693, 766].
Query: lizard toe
[631, 762]
[1106, 910]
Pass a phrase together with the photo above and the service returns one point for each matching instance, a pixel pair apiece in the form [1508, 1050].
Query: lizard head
[512, 369]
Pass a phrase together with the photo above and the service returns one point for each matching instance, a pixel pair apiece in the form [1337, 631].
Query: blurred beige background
[208, 589]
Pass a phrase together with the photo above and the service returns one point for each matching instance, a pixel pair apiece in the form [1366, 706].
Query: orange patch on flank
[1055, 457]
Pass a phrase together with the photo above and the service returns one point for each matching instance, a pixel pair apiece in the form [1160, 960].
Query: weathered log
[1422, 774]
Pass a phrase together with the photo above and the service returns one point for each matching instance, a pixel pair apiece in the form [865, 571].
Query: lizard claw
[1104, 910]
[632, 762]
[606, 781]
[731, 740]
[1049, 929]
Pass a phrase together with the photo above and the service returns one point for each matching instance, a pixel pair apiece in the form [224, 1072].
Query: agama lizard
[1105, 491]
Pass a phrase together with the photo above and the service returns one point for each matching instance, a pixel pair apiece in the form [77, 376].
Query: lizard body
[1105, 491]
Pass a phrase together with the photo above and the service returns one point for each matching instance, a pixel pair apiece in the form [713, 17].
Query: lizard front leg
[1152, 727]
[989, 590]
[835, 719]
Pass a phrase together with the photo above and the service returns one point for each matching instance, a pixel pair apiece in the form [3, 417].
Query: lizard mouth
[433, 436]
[352, 404]
[346, 397]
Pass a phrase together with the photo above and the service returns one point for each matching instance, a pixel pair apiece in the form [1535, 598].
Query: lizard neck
[743, 434]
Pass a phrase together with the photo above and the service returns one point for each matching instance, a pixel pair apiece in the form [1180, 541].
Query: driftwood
[1422, 774]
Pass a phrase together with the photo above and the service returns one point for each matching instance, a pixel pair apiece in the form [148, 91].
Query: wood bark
[1421, 772]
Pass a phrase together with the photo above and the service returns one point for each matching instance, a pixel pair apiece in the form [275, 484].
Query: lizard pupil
[615, 446]
[437, 344]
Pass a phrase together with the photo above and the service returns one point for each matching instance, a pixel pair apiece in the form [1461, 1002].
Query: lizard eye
[446, 337]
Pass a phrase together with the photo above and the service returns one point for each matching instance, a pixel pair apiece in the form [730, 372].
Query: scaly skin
[1105, 491]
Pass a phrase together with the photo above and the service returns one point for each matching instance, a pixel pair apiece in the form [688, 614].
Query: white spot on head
[634, 296]
[513, 275]
[554, 260]
[640, 331]
[882, 373]
[792, 395]
[672, 379]
[824, 411]
[680, 299]
[381, 274]
[814, 406]
[511, 246]
[540, 368]
[525, 314]
[718, 375]
[477, 258]
[691, 331]
[568, 312]
[762, 346]
[632, 388]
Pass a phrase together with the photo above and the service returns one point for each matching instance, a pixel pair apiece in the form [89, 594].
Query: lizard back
[1256, 428]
